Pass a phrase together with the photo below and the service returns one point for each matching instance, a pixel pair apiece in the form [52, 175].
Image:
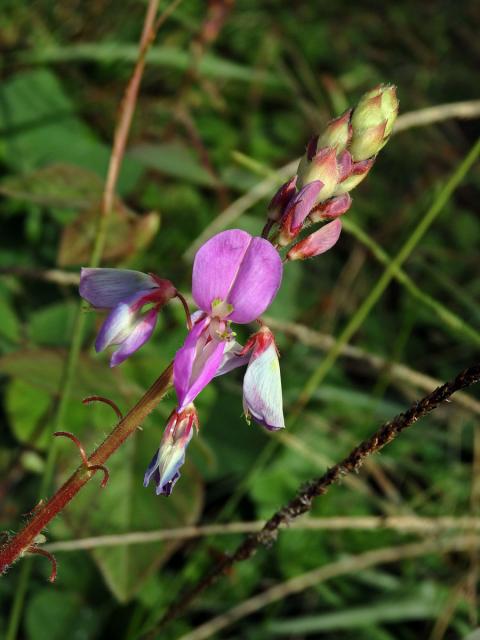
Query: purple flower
[165, 464]
[235, 278]
[125, 293]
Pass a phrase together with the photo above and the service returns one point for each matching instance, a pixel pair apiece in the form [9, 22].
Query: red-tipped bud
[359, 172]
[323, 167]
[333, 208]
[338, 133]
[317, 242]
[280, 200]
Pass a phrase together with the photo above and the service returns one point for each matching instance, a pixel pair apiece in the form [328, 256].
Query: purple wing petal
[262, 390]
[136, 339]
[105, 288]
[216, 265]
[257, 281]
[185, 357]
[196, 363]
[304, 201]
[231, 360]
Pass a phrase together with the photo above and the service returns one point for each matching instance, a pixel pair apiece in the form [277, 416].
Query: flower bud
[338, 133]
[372, 121]
[280, 200]
[330, 209]
[317, 242]
[359, 172]
[165, 464]
[297, 211]
[323, 167]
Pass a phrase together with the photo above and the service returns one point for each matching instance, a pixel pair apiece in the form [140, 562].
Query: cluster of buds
[333, 164]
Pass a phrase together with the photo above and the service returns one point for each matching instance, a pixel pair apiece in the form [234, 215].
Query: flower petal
[257, 281]
[165, 464]
[216, 265]
[231, 359]
[316, 243]
[105, 288]
[196, 362]
[303, 202]
[137, 337]
[262, 390]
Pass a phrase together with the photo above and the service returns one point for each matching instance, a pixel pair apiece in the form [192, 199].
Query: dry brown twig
[302, 502]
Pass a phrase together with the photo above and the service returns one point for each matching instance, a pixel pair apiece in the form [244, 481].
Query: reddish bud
[317, 242]
[331, 209]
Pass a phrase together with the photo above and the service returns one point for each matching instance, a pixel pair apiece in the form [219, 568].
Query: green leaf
[39, 127]
[56, 185]
[55, 615]
[26, 405]
[170, 57]
[52, 325]
[127, 506]
[9, 325]
[172, 159]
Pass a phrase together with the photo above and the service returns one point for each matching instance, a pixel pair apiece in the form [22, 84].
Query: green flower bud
[372, 121]
[338, 133]
[323, 166]
[359, 172]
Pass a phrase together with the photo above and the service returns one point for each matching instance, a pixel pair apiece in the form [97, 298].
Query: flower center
[221, 309]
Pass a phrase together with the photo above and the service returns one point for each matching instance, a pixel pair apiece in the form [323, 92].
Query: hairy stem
[16, 546]
[303, 501]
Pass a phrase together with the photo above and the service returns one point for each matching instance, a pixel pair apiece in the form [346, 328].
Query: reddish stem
[25, 538]
[110, 403]
[187, 310]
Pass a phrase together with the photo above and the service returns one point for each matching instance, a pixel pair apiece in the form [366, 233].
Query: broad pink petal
[262, 390]
[257, 281]
[141, 332]
[240, 270]
[216, 265]
[105, 288]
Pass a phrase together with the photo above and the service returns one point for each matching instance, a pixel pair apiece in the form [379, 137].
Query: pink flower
[235, 278]
[125, 293]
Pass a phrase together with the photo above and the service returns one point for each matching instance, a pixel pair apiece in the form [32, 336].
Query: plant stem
[16, 546]
[120, 139]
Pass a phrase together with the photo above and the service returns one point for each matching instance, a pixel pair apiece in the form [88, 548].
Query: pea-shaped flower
[235, 278]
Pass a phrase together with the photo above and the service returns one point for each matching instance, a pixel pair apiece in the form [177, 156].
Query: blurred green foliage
[274, 75]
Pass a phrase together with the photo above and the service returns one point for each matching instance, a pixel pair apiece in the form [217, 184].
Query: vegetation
[230, 94]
